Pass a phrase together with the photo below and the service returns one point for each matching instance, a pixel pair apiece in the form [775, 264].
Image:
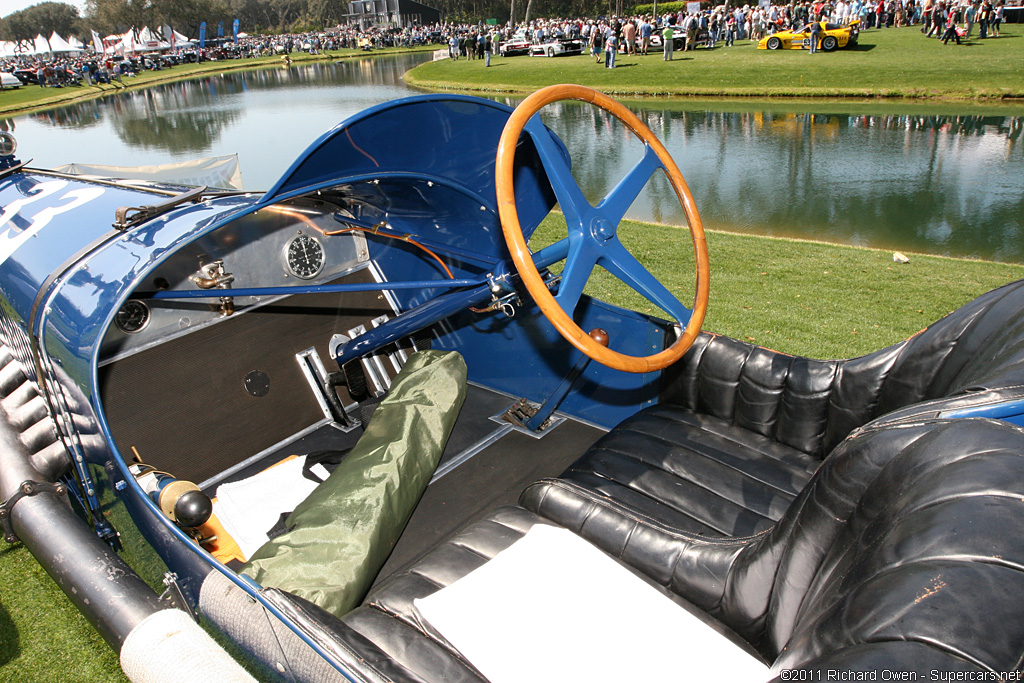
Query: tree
[44, 18]
[117, 16]
[325, 13]
[185, 16]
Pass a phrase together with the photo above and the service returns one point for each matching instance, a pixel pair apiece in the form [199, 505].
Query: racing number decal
[11, 238]
[41, 190]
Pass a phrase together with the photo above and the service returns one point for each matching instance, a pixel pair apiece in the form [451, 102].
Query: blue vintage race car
[365, 428]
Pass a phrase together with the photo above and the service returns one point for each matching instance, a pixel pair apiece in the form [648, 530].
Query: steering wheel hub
[602, 229]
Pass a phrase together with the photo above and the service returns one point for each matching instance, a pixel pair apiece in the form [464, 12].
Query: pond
[934, 180]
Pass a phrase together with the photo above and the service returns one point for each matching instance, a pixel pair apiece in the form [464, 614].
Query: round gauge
[132, 317]
[304, 256]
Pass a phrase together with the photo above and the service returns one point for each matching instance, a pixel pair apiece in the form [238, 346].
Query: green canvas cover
[339, 537]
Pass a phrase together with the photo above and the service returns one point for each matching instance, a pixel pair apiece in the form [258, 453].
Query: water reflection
[947, 184]
[942, 184]
[190, 116]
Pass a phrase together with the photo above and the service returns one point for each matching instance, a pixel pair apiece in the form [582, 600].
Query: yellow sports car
[832, 36]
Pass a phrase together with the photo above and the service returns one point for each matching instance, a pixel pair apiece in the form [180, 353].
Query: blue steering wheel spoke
[592, 238]
[571, 199]
[615, 205]
[619, 262]
[579, 264]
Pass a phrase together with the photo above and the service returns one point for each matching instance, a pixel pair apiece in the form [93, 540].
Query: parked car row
[519, 44]
[831, 37]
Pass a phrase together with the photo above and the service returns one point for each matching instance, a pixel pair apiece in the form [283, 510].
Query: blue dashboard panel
[526, 357]
[403, 150]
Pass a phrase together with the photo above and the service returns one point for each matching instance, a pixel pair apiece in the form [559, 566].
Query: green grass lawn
[886, 63]
[801, 297]
[809, 298]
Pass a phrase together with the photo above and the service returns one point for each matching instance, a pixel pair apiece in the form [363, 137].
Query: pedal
[520, 412]
[355, 380]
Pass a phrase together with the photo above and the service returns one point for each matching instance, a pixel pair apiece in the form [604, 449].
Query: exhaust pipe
[155, 644]
[100, 584]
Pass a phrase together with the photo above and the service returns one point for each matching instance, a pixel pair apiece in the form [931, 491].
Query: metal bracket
[521, 413]
[26, 488]
[140, 214]
[173, 597]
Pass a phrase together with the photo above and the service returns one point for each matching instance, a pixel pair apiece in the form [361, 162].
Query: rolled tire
[774, 43]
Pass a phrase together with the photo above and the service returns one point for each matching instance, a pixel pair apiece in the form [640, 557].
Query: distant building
[400, 13]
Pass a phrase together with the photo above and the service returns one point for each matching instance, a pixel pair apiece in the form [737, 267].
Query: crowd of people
[88, 67]
[604, 38]
[601, 39]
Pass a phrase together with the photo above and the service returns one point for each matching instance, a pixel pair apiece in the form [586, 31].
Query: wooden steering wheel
[592, 236]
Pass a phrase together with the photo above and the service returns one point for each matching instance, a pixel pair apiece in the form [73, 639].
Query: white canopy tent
[181, 40]
[41, 46]
[152, 41]
[145, 40]
[59, 45]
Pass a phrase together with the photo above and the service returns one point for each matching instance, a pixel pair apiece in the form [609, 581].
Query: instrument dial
[133, 317]
[304, 256]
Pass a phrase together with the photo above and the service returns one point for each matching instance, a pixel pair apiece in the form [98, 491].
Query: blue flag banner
[234, 30]
[220, 29]
[202, 36]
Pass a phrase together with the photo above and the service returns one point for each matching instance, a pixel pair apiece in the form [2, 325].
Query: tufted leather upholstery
[901, 528]
[905, 551]
[811, 405]
[740, 429]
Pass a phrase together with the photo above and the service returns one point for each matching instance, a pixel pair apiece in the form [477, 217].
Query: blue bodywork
[424, 167]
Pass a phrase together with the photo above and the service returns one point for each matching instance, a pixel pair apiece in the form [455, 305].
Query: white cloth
[249, 508]
[553, 607]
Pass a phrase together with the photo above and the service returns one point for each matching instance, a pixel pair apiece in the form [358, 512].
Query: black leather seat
[905, 551]
[740, 429]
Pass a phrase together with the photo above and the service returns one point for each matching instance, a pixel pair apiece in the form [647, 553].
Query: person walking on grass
[951, 28]
[666, 38]
[938, 17]
[690, 24]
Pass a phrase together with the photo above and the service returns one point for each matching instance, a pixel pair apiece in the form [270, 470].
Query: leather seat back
[812, 405]
[909, 533]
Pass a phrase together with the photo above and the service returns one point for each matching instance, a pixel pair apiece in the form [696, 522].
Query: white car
[557, 46]
[518, 44]
[8, 80]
